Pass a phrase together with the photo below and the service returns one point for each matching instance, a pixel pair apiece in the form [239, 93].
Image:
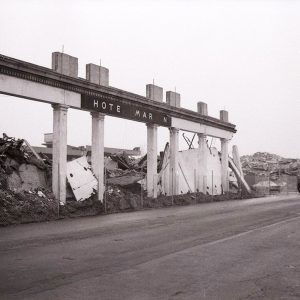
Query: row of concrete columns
[97, 74]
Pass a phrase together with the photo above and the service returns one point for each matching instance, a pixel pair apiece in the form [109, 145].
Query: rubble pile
[25, 185]
[130, 170]
[119, 199]
[263, 163]
[25, 178]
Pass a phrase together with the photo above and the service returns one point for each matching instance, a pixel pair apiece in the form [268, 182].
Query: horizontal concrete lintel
[25, 70]
[200, 128]
[18, 87]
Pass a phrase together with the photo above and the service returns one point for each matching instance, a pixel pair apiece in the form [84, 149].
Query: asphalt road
[246, 249]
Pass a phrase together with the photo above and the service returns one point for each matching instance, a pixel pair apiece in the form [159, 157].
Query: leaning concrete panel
[188, 170]
[82, 181]
[39, 92]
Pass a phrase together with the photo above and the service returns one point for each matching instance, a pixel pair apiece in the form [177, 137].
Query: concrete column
[202, 153]
[173, 99]
[97, 155]
[99, 75]
[152, 160]
[154, 93]
[59, 154]
[224, 155]
[174, 169]
[67, 65]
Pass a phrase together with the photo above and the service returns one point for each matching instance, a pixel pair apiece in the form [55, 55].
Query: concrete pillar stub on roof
[202, 108]
[65, 64]
[97, 151]
[59, 152]
[173, 99]
[224, 155]
[98, 75]
[154, 93]
[202, 153]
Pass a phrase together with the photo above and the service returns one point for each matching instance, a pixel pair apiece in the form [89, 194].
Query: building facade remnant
[62, 88]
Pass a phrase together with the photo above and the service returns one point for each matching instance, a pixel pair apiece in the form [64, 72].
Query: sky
[242, 56]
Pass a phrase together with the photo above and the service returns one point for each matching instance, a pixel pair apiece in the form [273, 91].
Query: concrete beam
[59, 154]
[15, 68]
[200, 128]
[22, 88]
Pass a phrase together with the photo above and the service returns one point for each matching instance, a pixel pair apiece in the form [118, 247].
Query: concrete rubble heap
[264, 162]
[25, 193]
[268, 172]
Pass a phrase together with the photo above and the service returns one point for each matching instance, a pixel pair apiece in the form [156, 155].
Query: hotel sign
[113, 106]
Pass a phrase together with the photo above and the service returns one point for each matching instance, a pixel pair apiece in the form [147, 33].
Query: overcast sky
[243, 56]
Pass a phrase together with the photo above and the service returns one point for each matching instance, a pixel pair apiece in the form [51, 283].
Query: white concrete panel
[188, 169]
[200, 128]
[82, 181]
[39, 92]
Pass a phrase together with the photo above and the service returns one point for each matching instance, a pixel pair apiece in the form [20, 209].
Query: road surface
[246, 249]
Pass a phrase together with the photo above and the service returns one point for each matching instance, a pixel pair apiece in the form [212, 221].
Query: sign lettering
[115, 107]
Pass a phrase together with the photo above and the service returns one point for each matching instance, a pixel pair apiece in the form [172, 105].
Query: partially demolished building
[202, 169]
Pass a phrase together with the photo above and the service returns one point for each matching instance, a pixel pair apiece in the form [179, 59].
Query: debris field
[25, 187]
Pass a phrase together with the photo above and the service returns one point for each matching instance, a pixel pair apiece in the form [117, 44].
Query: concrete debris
[262, 167]
[262, 163]
[127, 178]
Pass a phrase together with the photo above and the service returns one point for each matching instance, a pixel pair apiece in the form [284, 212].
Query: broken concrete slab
[81, 178]
[126, 179]
[28, 177]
